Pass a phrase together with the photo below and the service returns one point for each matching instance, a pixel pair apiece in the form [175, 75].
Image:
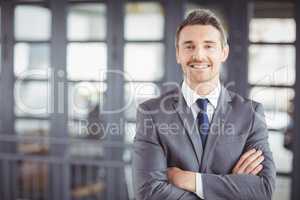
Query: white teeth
[200, 66]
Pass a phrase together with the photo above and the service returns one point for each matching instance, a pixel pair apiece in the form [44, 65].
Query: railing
[26, 170]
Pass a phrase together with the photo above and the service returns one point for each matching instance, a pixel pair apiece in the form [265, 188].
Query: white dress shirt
[190, 97]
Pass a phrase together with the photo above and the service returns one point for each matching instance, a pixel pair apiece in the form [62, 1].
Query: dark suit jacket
[167, 137]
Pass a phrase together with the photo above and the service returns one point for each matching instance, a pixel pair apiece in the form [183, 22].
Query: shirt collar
[191, 96]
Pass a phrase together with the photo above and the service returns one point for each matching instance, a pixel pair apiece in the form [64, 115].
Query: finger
[254, 164]
[249, 160]
[242, 159]
[257, 170]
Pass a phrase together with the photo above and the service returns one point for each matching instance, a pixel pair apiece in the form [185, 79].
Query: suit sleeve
[243, 186]
[150, 164]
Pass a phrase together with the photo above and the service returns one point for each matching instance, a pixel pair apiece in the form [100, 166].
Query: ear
[225, 53]
[177, 55]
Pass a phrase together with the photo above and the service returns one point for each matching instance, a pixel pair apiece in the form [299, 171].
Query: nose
[199, 54]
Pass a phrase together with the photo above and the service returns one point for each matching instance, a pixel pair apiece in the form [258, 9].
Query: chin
[202, 79]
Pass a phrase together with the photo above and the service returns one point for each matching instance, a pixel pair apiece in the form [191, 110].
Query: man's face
[200, 53]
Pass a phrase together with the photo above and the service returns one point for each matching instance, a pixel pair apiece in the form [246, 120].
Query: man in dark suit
[201, 140]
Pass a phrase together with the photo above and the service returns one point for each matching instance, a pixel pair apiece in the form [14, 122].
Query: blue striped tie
[202, 120]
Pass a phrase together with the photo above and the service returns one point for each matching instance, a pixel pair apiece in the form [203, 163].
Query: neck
[203, 88]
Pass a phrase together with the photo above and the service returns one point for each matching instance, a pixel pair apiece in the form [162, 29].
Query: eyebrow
[187, 42]
[210, 42]
[206, 41]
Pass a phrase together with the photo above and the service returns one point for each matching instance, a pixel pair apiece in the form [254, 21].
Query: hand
[182, 179]
[249, 163]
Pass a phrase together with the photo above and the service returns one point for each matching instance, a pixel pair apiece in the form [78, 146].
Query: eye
[189, 47]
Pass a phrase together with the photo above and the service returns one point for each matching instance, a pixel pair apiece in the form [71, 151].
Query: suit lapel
[187, 120]
[216, 126]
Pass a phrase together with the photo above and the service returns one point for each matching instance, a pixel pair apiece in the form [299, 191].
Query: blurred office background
[67, 110]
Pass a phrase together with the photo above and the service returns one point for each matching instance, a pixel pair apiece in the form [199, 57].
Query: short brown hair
[202, 17]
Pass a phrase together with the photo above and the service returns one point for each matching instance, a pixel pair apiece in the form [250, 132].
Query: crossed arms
[249, 163]
[253, 176]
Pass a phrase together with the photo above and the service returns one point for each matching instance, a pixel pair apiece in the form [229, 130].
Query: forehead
[199, 33]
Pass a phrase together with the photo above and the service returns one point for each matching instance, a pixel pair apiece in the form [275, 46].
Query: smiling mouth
[199, 66]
